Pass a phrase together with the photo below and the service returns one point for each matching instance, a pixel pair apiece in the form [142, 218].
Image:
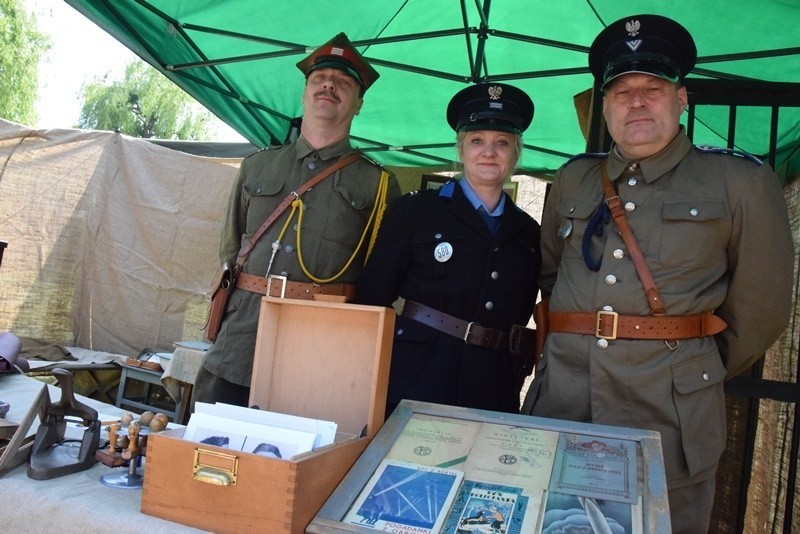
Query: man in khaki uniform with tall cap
[713, 230]
[320, 246]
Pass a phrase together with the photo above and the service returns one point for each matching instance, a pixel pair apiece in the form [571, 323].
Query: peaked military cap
[490, 106]
[649, 44]
[339, 53]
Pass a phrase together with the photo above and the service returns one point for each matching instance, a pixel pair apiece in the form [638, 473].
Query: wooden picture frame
[432, 181]
[511, 190]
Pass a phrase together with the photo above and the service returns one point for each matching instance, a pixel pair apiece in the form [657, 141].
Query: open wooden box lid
[323, 360]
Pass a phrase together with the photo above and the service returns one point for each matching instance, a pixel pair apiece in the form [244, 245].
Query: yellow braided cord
[296, 203]
[381, 203]
[380, 199]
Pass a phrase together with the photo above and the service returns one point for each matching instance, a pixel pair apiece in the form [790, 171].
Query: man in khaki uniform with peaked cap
[713, 230]
[323, 247]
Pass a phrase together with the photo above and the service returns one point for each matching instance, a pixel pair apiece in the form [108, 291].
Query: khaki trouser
[211, 388]
[690, 507]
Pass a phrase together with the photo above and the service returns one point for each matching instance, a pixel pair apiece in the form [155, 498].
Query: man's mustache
[328, 94]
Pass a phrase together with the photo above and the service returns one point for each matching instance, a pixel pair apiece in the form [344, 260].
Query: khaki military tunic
[334, 215]
[714, 230]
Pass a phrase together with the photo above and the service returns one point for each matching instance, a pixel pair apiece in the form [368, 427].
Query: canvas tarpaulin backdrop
[238, 57]
[112, 240]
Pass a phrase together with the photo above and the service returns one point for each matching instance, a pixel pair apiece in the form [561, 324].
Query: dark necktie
[491, 222]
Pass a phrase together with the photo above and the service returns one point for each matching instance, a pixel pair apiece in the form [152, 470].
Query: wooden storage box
[313, 359]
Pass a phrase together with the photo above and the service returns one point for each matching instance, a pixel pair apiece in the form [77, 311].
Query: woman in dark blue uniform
[465, 259]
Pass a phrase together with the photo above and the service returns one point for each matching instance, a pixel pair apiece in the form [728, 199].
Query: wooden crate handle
[217, 475]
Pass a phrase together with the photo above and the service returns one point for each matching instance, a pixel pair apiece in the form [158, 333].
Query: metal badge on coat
[564, 229]
[443, 252]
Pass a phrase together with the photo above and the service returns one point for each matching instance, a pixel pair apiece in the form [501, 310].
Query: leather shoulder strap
[618, 212]
[291, 197]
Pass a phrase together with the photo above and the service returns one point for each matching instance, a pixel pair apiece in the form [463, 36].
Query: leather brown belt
[469, 332]
[610, 325]
[279, 286]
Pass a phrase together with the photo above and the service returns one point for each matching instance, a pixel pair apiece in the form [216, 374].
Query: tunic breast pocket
[440, 254]
[360, 197]
[263, 198]
[693, 231]
[573, 218]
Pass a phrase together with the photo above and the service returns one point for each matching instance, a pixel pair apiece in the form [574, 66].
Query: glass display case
[435, 468]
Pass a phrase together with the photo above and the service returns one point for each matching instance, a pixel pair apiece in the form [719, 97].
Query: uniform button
[353, 203]
[602, 343]
[705, 376]
[630, 206]
[632, 181]
[495, 275]
[496, 249]
[258, 191]
[289, 249]
[399, 331]
[611, 279]
[489, 305]
[294, 227]
[437, 235]
[572, 209]
[312, 165]
[284, 273]
[633, 167]
[608, 308]
[694, 212]
[619, 254]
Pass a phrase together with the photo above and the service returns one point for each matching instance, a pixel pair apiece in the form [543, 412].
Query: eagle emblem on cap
[495, 91]
[633, 27]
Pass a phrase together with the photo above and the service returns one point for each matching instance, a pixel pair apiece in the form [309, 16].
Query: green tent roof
[237, 58]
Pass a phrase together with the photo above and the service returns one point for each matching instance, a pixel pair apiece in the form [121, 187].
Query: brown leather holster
[224, 283]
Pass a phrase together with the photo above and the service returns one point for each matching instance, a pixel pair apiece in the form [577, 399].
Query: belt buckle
[283, 280]
[600, 315]
[468, 331]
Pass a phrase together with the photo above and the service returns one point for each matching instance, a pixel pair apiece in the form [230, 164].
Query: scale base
[122, 481]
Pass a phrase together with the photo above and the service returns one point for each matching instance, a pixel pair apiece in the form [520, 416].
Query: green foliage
[144, 104]
[21, 47]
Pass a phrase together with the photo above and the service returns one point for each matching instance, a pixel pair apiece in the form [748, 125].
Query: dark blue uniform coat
[488, 279]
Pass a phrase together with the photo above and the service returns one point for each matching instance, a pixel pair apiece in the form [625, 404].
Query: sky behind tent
[80, 52]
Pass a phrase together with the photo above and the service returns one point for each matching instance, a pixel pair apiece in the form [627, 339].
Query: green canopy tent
[238, 59]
